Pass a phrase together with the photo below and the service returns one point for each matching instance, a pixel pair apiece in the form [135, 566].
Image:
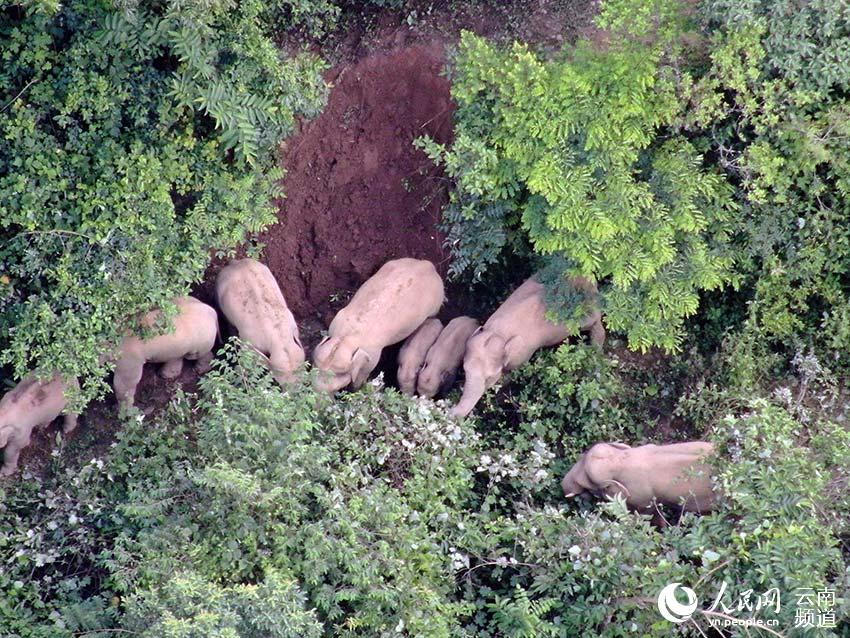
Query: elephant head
[595, 470]
[284, 361]
[340, 364]
[483, 365]
[432, 380]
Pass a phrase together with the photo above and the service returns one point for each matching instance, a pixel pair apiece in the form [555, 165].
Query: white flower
[575, 550]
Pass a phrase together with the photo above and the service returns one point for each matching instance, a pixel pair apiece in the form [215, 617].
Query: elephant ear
[600, 465]
[360, 367]
[510, 354]
[319, 353]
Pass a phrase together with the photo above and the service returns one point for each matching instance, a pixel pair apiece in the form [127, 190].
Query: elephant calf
[250, 298]
[29, 404]
[195, 328]
[386, 309]
[673, 474]
[512, 334]
[412, 354]
[439, 371]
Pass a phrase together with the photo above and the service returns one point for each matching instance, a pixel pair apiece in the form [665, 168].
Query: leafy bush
[255, 512]
[578, 154]
[133, 140]
[664, 170]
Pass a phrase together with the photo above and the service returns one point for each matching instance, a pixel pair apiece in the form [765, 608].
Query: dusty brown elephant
[412, 354]
[250, 298]
[512, 334]
[385, 310]
[29, 404]
[674, 474]
[195, 328]
[439, 371]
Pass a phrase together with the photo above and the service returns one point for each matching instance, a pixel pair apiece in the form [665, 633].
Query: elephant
[513, 333]
[193, 335]
[248, 295]
[33, 402]
[386, 309]
[674, 474]
[412, 354]
[439, 371]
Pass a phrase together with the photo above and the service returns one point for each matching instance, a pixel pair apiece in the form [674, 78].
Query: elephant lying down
[674, 474]
[29, 404]
[386, 309]
[513, 333]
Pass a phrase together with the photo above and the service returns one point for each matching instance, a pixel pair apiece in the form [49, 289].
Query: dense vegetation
[131, 143]
[696, 166]
[662, 170]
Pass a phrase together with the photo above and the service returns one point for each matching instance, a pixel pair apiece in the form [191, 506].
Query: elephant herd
[399, 303]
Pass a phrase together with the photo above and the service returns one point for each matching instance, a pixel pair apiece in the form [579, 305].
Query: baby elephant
[412, 354]
[192, 337]
[512, 334]
[675, 475]
[439, 371]
[386, 309]
[250, 298]
[29, 404]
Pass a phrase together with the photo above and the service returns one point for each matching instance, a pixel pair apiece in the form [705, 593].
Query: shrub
[579, 155]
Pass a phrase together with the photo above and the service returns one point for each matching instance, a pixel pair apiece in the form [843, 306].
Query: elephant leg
[172, 369]
[70, 423]
[597, 334]
[127, 377]
[11, 454]
[204, 363]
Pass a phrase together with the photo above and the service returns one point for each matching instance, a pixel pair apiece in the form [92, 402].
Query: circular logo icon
[671, 608]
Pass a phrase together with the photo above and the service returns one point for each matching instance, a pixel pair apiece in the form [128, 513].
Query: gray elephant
[248, 295]
[412, 354]
[439, 371]
[675, 474]
[512, 334]
[193, 334]
[386, 309]
[29, 404]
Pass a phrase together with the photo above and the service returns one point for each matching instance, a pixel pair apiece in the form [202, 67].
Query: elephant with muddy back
[249, 296]
[513, 333]
[192, 336]
[386, 309]
[32, 403]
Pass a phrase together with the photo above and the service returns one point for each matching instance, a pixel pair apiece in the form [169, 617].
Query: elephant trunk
[473, 390]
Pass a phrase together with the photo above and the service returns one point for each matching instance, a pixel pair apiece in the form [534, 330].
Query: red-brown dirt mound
[358, 193]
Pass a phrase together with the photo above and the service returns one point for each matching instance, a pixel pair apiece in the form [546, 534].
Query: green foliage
[663, 171]
[257, 512]
[773, 106]
[132, 141]
[573, 153]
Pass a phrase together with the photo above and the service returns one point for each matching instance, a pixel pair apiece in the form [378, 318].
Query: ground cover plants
[691, 159]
